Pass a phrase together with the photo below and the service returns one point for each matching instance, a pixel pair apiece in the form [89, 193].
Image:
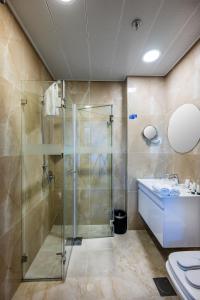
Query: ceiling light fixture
[67, 1]
[151, 56]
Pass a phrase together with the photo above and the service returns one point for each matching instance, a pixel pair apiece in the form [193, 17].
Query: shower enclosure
[66, 177]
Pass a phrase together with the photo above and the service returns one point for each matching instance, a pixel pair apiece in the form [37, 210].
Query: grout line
[117, 36]
[10, 5]
[88, 39]
[176, 37]
[147, 36]
[59, 42]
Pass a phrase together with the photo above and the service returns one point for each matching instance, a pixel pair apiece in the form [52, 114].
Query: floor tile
[118, 268]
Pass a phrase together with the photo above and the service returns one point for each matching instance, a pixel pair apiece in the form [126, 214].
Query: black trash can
[120, 221]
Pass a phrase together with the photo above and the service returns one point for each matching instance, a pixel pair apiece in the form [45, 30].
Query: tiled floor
[88, 231]
[118, 268]
[46, 263]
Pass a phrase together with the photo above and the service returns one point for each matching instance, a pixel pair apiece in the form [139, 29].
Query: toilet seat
[178, 276]
[193, 278]
[188, 261]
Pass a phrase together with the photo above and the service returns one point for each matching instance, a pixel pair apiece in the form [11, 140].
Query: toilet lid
[190, 292]
[193, 278]
[189, 261]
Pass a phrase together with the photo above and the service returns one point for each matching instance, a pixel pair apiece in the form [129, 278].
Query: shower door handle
[62, 255]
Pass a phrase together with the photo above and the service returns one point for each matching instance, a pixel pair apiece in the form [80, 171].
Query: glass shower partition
[46, 203]
[69, 179]
[94, 171]
[66, 177]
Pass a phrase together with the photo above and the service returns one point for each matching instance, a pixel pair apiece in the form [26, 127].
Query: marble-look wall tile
[119, 197]
[10, 263]
[147, 165]
[119, 171]
[100, 207]
[136, 143]
[78, 92]
[83, 207]
[9, 119]
[18, 61]
[154, 100]
[182, 86]
[119, 135]
[10, 194]
[182, 83]
[187, 166]
[102, 93]
[145, 97]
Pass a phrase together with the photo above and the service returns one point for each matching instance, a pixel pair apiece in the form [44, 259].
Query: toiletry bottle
[198, 189]
[193, 190]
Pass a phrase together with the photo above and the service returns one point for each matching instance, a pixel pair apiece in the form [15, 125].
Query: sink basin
[150, 183]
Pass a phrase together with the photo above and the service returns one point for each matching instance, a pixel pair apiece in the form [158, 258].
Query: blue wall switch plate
[132, 117]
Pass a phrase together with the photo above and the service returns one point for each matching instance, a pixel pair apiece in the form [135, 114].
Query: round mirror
[150, 132]
[184, 128]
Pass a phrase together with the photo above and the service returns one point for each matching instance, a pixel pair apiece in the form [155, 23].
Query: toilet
[184, 271]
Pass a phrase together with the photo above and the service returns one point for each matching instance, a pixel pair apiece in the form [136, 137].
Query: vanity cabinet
[175, 221]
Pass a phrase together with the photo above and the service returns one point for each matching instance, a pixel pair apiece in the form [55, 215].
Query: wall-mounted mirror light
[150, 134]
[184, 128]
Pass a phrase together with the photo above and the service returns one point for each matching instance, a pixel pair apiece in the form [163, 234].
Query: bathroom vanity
[174, 220]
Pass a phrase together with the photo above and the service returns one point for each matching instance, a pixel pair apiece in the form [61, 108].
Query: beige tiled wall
[154, 100]
[182, 86]
[146, 97]
[18, 61]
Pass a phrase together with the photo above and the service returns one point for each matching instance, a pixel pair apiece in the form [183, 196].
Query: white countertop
[149, 183]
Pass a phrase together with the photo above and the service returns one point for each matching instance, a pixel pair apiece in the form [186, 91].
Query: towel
[52, 101]
[165, 191]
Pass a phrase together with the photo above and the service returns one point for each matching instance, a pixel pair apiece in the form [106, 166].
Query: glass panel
[94, 193]
[68, 181]
[42, 184]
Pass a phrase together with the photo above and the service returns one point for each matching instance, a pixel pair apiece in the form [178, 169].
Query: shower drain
[164, 286]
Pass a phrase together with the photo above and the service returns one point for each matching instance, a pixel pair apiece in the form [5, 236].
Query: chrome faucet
[174, 176]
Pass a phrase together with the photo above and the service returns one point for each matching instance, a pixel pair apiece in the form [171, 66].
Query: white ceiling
[94, 40]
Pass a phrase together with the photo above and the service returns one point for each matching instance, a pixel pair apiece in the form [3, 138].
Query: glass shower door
[69, 181]
[42, 194]
[94, 171]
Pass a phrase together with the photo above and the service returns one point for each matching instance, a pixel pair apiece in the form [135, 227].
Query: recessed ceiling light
[67, 1]
[151, 56]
